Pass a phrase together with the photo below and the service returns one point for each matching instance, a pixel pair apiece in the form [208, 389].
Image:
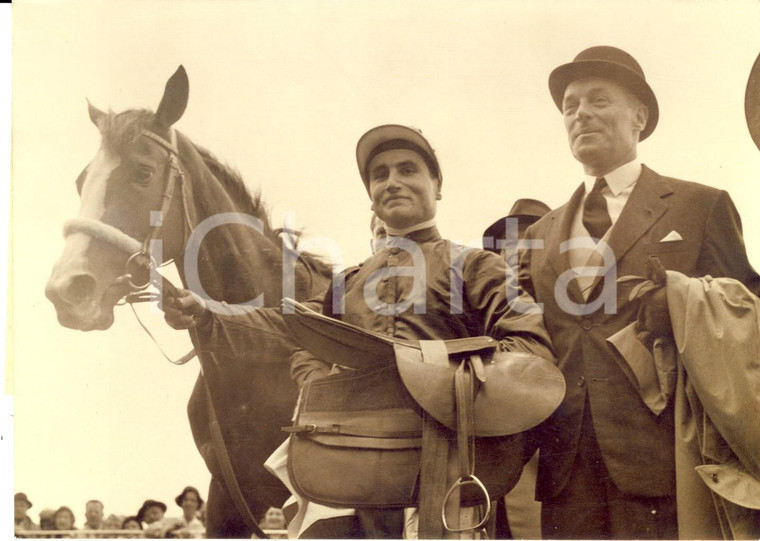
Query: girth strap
[463, 389]
[433, 478]
[434, 456]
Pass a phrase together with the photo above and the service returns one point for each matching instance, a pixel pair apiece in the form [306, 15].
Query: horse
[143, 197]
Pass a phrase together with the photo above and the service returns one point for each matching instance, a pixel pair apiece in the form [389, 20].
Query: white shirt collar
[403, 232]
[618, 179]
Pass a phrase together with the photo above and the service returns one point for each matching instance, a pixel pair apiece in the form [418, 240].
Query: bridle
[140, 258]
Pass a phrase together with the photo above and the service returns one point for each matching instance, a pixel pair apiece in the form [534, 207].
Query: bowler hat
[21, 497]
[752, 102]
[178, 499]
[527, 211]
[147, 504]
[609, 63]
[391, 137]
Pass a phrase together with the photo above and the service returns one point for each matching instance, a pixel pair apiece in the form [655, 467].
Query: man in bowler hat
[501, 237]
[151, 512]
[607, 466]
[21, 519]
[524, 212]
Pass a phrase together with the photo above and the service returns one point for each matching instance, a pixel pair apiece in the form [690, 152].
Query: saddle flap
[345, 344]
[520, 391]
[336, 341]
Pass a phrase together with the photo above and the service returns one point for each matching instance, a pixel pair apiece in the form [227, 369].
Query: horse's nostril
[79, 288]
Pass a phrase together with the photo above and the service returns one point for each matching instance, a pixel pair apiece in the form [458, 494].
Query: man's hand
[183, 309]
[654, 315]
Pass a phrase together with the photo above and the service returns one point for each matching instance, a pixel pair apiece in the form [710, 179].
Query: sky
[282, 91]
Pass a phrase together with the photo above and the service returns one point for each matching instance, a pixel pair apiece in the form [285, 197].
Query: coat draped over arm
[711, 368]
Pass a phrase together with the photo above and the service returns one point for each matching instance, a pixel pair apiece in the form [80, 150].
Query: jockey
[416, 286]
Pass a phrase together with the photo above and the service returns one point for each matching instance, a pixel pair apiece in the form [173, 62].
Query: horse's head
[120, 189]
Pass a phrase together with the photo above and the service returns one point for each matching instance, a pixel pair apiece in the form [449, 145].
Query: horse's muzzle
[76, 303]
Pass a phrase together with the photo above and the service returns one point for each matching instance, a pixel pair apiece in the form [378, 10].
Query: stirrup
[461, 482]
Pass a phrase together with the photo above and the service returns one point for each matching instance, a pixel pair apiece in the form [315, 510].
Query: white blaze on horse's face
[92, 199]
[79, 285]
[94, 182]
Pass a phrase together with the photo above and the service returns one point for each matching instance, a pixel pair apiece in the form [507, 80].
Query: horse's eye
[144, 174]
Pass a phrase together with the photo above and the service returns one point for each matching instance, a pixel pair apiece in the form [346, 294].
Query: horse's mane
[254, 205]
[235, 187]
[121, 129]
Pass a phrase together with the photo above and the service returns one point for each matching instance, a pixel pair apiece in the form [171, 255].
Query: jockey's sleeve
[258, 334]
[304, 365]
[508, 312]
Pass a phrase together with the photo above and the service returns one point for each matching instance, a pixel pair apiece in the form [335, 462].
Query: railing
[110, 534]
[81, 534]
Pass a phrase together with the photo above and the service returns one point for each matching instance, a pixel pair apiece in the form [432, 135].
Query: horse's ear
[95, 113]
[174, 102]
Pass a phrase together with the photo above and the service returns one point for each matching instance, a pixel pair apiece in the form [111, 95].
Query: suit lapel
[644, 207]
[561, 227]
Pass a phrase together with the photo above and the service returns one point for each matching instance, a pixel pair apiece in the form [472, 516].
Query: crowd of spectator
[149, 518]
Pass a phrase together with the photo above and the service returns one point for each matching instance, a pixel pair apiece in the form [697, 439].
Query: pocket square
[671, 237]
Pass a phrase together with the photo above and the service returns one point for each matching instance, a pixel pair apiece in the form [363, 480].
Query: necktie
[596, 219]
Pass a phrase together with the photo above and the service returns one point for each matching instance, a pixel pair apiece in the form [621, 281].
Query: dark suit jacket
[637, 446]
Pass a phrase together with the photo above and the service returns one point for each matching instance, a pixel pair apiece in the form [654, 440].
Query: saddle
[430, 424]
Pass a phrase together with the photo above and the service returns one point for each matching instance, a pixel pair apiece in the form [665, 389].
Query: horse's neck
[239, 267]
[235, 261]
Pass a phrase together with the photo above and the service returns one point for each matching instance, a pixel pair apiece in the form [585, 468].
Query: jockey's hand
[183, 309]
